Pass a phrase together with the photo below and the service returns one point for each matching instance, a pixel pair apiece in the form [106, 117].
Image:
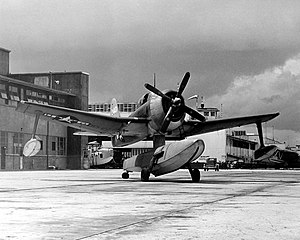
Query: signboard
[42, 81]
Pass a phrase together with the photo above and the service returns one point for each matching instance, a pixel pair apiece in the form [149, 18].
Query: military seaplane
[160, 114]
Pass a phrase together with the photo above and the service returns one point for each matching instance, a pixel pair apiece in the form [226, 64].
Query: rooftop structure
[105, 107]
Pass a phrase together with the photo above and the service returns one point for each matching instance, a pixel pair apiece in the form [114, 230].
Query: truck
[211, 163]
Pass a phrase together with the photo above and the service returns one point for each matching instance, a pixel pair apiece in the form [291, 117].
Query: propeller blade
[167, 120]
[156, 91]
[193, 113]
[183, 83]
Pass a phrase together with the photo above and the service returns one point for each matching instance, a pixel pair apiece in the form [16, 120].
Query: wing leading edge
[195, 127]
[86, 121]
[131, 126]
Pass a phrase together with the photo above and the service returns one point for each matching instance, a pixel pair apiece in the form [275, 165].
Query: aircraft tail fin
[114, 110]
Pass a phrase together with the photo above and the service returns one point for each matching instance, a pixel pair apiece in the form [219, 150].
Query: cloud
[276, 89]
[122, 43]
[271, 99]
[226, 25]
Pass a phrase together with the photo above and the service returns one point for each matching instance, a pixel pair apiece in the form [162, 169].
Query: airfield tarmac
[99, 204]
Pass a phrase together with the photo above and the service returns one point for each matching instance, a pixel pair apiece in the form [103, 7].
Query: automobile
[211, 163]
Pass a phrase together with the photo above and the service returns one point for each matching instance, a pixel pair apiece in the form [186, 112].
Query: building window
[41, 95]
[53, 146]
[58, 145]
[22, 93]
[3, 93]
[240, 144]
[18, 139]
[206, 114]
[13, 93]
[252, 146]
[33, 96]
[105, 107]
[61, 146]
[57, 100]
[3, 139]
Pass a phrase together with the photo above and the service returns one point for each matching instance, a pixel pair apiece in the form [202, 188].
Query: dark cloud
[122, 43]
[275, 90]
[271, 99]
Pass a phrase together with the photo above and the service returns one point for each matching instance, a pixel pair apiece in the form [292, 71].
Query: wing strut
[36, 121]
[260, 134]
[264, 152]
[158, 141]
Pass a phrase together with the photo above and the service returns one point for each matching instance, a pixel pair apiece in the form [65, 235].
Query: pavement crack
[174, 212]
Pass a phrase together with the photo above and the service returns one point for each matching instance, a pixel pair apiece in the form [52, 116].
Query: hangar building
[60, 149]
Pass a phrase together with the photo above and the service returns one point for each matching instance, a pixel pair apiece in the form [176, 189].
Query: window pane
[53, 146]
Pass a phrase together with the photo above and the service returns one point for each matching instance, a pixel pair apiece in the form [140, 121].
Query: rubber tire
[195, 174]
[125, 175]
[145, 175]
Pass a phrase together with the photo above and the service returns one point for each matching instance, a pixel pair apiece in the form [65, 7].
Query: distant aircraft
[277, 158]
[160, 114]
[98, 155]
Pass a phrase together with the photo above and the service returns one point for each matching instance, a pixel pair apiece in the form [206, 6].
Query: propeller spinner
[175, 103]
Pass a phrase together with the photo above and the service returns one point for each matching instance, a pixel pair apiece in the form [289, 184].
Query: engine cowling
[159, 108]
[167, 109]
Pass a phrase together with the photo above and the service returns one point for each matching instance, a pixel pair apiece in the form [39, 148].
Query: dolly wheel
[125, 175]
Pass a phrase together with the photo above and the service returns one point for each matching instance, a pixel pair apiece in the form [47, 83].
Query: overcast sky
[244, 55]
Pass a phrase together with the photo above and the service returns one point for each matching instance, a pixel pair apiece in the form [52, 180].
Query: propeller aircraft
[277, 158]
[160, 114]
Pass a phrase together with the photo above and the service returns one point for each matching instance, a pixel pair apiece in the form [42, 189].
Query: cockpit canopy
[143, 99]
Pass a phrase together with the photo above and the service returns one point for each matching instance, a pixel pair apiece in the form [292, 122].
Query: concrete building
[59, 147]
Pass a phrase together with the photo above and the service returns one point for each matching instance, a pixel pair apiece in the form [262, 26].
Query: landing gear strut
[145, 174]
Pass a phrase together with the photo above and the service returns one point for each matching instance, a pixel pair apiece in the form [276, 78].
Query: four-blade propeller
[176, 103]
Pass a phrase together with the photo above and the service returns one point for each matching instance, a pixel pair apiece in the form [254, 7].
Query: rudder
[114, 110]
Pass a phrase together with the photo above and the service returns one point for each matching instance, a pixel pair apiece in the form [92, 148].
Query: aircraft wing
[196, 127]
[87, 121]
